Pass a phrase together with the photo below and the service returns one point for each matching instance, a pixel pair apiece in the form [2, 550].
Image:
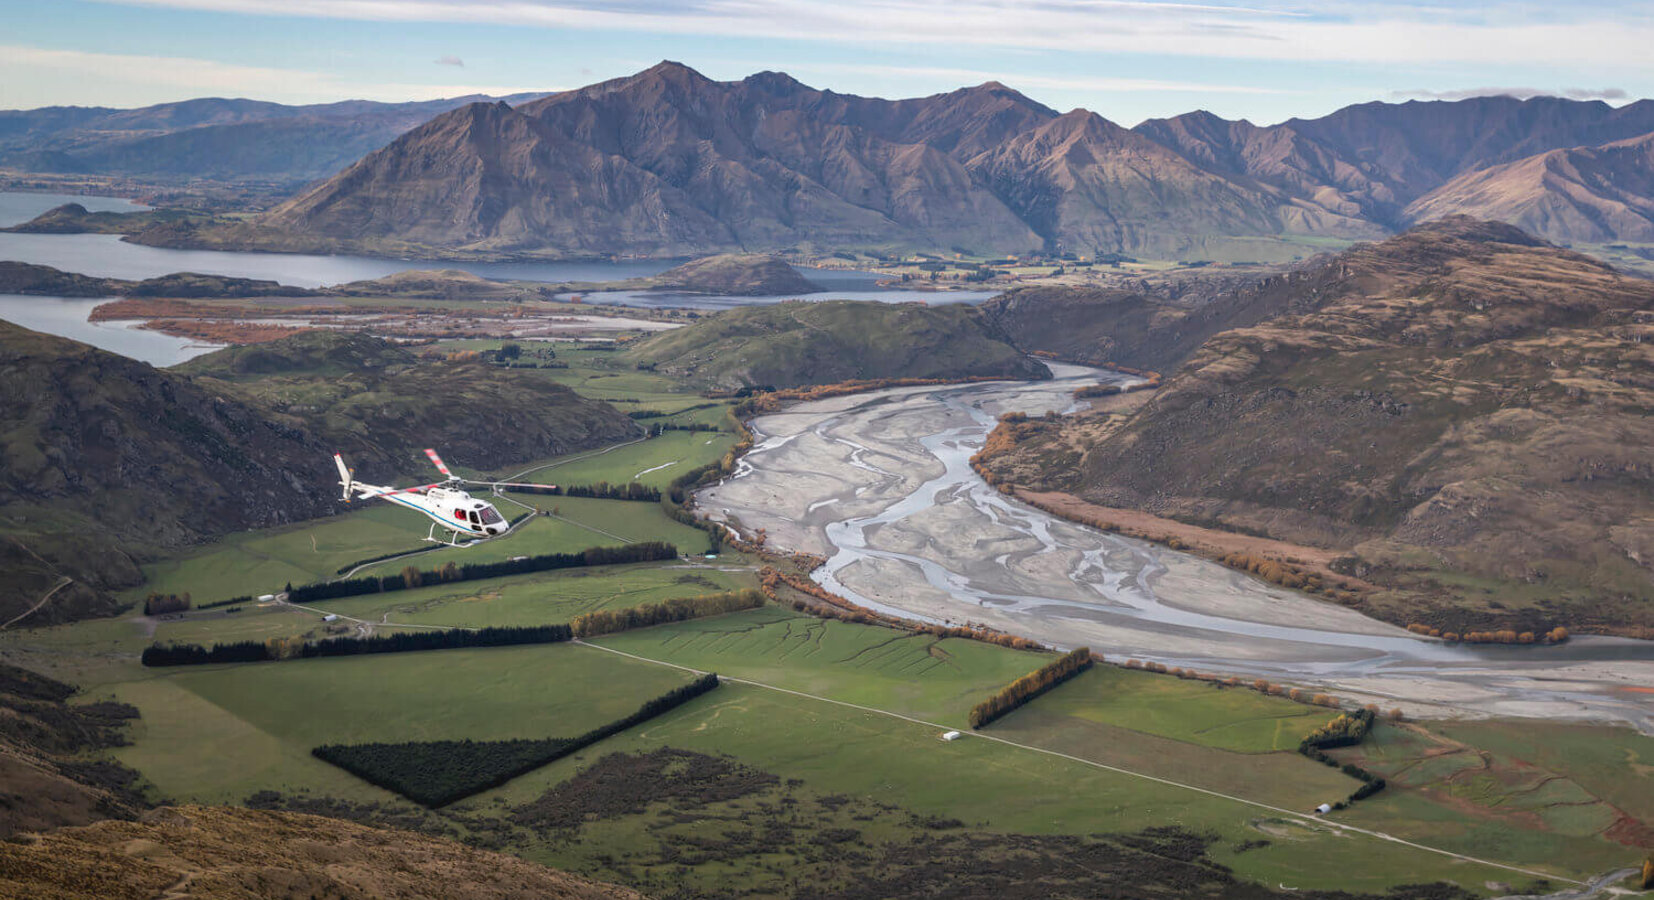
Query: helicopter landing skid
[452, 541]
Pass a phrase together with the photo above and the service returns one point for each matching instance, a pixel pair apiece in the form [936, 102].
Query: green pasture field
[265, 561]
[912, 674]
[1608, 762]
[988, 786]
[1187, 731]
[540, 598]
[1234, 719]
[653, 462]
[1529, 790]
[217, 734]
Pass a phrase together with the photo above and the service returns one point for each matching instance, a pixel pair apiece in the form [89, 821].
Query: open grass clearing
[912, 674]
[220, 733]
[1235, 719]
[653, 462]
[540, 598]
[265, 561]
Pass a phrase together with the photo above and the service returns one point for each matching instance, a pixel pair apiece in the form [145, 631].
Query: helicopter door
[474, 520]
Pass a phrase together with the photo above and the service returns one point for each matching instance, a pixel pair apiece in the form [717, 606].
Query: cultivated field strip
[1294, 814]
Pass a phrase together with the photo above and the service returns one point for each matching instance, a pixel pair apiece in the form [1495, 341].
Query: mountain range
[671, 163]
[211, 138]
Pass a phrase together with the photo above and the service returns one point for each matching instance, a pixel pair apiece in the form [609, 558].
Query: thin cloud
[1520, 93]
[1505, 33]
[153, 79]
[1026, 82]
[450, 61]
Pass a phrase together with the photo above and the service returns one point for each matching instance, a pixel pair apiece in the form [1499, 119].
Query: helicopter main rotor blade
[412, 490]
[437, 461]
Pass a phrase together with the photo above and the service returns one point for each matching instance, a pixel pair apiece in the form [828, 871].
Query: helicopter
[443, 502]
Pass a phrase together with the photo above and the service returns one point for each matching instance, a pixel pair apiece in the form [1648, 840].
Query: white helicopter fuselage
[452, 509]
[449, 507]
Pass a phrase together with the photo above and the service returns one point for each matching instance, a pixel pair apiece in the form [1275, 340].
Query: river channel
[881, 485]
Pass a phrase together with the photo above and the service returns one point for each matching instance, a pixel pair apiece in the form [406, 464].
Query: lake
[17, 207]
[107, 256]
[67, 316]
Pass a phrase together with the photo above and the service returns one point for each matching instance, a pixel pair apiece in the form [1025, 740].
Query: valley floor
[880, 485]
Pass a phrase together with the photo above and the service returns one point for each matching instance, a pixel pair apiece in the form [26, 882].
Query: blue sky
[1126, 59]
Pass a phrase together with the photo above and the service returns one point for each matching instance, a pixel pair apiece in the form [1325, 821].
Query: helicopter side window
[474, 519]
[459, 514]
[489, 516]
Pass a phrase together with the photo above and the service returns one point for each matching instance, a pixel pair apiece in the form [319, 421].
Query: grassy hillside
[1463, 410]
[796, 344]
[108, 461]
[736, 274]
[381, 405]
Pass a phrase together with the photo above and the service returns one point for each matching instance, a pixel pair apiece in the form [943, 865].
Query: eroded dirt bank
[880, 484]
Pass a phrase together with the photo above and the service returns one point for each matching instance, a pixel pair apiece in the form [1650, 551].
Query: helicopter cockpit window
[489, 516]
[474, 520]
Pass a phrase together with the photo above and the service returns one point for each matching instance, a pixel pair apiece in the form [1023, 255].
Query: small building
[1323, 809]
[266, 598]
[950, 735]
[330, 617]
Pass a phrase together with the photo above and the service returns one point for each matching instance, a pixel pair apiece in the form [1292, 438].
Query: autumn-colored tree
[1030, 686]
[411, 577]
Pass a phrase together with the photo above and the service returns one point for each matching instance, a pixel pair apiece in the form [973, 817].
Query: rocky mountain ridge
[669, 162]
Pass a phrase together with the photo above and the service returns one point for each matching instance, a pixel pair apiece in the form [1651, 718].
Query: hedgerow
[159, 655]
[1030, 686]
[677, 609]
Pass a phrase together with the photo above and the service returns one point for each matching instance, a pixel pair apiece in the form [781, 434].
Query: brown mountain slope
[669, 161]
[226, 852]
[1581, 194]
[1420, 144]
[1329, 193]
[666, 162]
[1353, 172]
[1462, 409]
[1155, 327]
[51, 772]
[1083, 182]
[216, 138]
